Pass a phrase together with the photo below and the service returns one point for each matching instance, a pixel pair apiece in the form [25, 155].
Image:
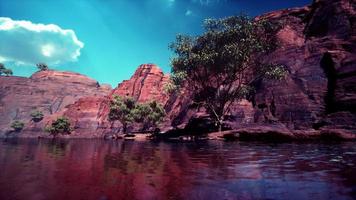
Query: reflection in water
[97, 169]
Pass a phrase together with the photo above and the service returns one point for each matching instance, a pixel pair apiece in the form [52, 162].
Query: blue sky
[107, 39]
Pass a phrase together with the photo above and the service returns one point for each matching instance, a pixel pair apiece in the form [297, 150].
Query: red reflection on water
[96, 169]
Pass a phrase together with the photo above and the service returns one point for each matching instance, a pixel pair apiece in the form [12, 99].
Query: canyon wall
[317, 44]
[81, 99]
[48, 91]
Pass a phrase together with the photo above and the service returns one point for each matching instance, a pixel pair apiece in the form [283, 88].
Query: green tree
[36, 115]
[121, 110]
[17, 125]
[149, 114]
[4, 70]
[7, 72]
[222, 64]
[60, 126]
[42, 66]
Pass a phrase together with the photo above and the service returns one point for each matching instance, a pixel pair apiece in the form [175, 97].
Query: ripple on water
[144, 170]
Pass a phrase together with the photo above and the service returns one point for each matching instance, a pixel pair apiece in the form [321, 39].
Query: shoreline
[256, 133]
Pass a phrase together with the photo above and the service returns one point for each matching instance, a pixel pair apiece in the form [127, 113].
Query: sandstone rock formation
[47, 91]
[90, 115]
[317, 44]
[146, 84]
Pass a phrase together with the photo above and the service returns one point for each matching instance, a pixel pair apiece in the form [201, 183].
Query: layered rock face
[81, 99]
[317, 44]
[147, 84]
[47, 91]
[90, 115]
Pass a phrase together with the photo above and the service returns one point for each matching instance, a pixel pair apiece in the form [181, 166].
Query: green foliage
[149, 114]
[5, 71]
[60, 126]
[275, 71]
[176, 79]
[222, 64]
[2, 67]
[126, 110]
[121, 110]
[17, 125]
[36, 115]
[42, 66]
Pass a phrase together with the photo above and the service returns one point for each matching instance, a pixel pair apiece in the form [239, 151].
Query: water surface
[98, 169]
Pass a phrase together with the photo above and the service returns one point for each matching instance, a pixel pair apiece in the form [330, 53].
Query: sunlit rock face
[146, 84]
[90, 115]
[47, 91]
[81, 99]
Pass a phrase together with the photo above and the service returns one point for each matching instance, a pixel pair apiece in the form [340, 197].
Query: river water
[98, 169]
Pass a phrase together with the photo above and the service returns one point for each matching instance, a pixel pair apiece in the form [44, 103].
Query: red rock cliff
[48, 91]
[317, 44]
[89, 115]
[146, 84]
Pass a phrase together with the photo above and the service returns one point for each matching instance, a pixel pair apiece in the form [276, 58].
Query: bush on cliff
[36, 115]
[121, 110]
[5, 71]
[222, 65]
[42, 66]
[17, 125]
[127, 110]
[60, 126]
[149, 114]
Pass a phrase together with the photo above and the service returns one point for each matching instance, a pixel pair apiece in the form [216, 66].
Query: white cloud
[188, 13]
[24, 42]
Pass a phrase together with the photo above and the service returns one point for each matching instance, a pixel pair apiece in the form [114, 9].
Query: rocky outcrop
[147, 84]
[317, 44]
[89, 115]
[47, 91]
[81, 99]
[278, 132]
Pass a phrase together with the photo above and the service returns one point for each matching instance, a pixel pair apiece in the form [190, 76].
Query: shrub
[42, 66]
[36, 115]
[121, 110]
[149, 114]
[17, 125]
[4, 70]
[7, 72]
[60, 126]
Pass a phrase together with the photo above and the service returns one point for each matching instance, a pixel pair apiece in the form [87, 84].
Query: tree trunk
[124, 128]
[220, 123]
